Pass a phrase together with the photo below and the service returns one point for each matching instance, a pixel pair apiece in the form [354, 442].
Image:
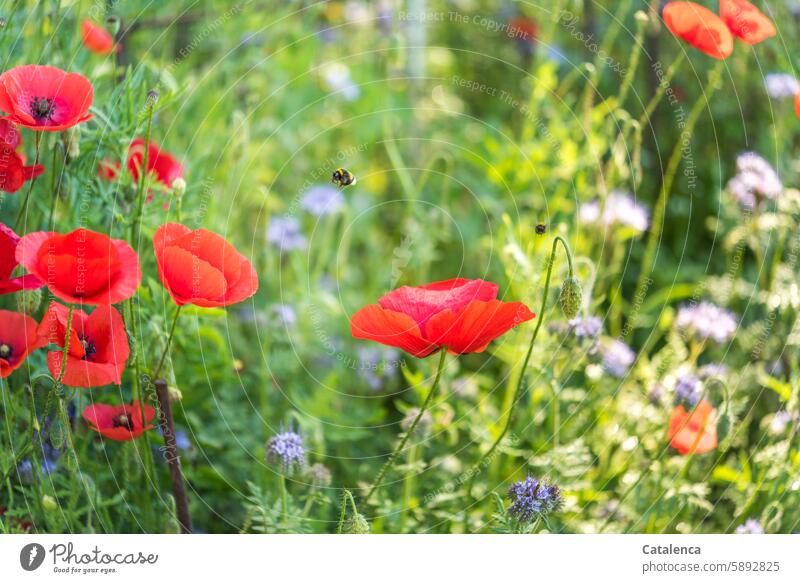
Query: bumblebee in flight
[342, 177]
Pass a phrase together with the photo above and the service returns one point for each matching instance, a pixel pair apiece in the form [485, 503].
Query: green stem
[23, 209]
[65, 353]
[509, 418]
[284, 500]
[654, 238]
[136, 226]
[54, 187]
[341, 516]
[410, 430]
[169, 342]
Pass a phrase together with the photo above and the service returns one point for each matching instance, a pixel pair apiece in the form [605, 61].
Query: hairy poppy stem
[169, 342]
[346, 495]
[390, 462]
[659, 212]
[172, 457]
[23, 209]
[136, 226]
[520, 381]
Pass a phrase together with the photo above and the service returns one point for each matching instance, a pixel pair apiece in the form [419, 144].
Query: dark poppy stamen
[5, 351]
[123, 420]
[42, 108]
[88, 348]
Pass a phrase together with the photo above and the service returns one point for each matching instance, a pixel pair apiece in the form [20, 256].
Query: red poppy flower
[18, 338]
[523, 28]
[797, 104]
[45, 98]
[201, 268]
[8, 262]
[13, 172]
[108, 170]
[98, 345]
[159, 162]
[694, 432]
[82, 266]
[746, 21]
[462, 315]
[9, 133]
[96, 38]
[120, 423]
[699, 27]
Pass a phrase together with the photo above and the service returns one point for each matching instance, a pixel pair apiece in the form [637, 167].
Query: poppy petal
[472, 329]
[391, 328]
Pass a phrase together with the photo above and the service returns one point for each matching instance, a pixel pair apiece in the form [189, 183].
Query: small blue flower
[322, 200]
[705, 320]
[617, 358]
[532, 499]
[25, 472]
[688, 390]
[588, 327]
[750, 526]
[283, 315]
[284, 233]
[286, 450]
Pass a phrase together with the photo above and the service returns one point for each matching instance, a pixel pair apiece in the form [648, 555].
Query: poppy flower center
[89, 348]
[122, 420]
[42, 108]
[5, 351]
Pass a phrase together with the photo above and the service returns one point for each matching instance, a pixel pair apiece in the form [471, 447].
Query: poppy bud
[357, 525]
[49, 503]
[112, 23]
[73, 143]
[152, 97]
[641, 16]
[178, 187]
[570, 297]
[28, 301]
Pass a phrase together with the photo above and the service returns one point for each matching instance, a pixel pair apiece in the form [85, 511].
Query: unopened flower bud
[112, 23]
[570, 297]
[28, 301]
[641, 16]
[174, 394]
[357, 525]
[73, 140]
[178, 187]
[152, 97]
[49, 503]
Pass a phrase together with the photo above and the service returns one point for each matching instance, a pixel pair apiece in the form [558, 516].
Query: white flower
[781, 85]
[620, 209]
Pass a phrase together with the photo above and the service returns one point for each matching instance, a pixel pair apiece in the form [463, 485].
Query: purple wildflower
[286, 450]
[750, 526]
[706, 320]
[617, 358]
[322, 200]
[532, 499]
[688, 390]
[755, 180]
[620, 208]
[284, 233]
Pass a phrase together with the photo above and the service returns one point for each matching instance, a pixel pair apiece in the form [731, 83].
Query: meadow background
[467, 123]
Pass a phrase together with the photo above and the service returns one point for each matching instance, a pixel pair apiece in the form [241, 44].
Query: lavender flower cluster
[755, 181]
[620, 208]
[706, 320]
[286, 450]
[532, 498]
